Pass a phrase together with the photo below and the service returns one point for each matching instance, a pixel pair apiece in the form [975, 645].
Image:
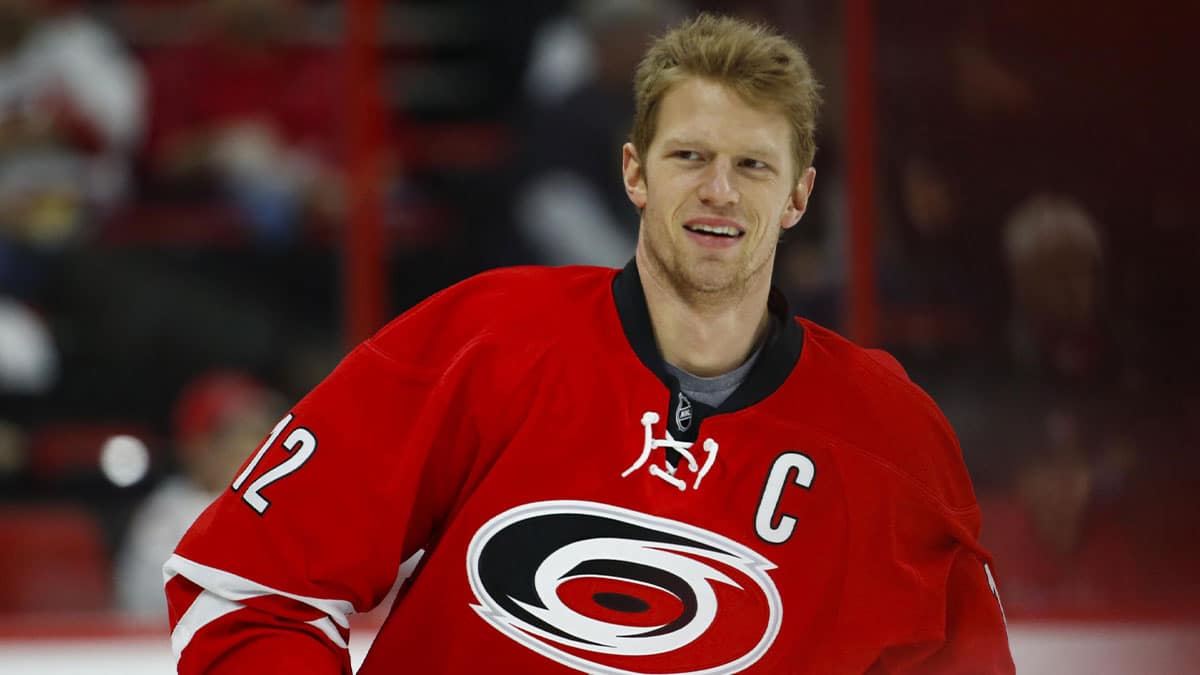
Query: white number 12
[301, 443]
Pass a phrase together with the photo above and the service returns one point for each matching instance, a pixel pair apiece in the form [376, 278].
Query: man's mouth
[714, 228]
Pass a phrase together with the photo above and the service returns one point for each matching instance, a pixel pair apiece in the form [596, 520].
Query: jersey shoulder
[874, 404]
[505, 305]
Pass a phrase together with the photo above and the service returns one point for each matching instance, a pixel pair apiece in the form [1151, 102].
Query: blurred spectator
[1056, 350]
[246, 115]
[71, 107]
[1054, 255]
[1063, 545]
[1063, 398]
[218, 419]
[572, 209]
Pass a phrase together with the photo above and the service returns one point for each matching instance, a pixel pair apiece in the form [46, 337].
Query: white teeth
[712, 229]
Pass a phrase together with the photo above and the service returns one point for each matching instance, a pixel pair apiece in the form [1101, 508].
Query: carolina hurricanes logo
[609, 590]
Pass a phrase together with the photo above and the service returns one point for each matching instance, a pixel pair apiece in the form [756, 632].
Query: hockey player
[650, 470]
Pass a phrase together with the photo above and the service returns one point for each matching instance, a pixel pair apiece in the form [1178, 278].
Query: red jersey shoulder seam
[403, 368]
[868, 364]
[917, 485]
[928, 493]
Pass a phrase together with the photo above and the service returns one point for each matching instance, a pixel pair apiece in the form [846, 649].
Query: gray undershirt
[712, 391]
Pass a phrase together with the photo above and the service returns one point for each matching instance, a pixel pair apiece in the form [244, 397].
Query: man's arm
[976, 639]
[214, 635]
[315, 524]
[963, 628]
[976, 629]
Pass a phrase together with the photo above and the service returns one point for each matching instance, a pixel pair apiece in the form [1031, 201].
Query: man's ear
[798, 200]
[634, 176]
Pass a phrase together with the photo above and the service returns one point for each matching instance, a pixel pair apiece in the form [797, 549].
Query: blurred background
[204, 204]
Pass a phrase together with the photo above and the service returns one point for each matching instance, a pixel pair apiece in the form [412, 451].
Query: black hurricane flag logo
[608, 590]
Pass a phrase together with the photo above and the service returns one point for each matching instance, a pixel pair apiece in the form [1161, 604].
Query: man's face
[717, 187]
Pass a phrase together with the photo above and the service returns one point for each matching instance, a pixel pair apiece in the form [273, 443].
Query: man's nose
[718, 188]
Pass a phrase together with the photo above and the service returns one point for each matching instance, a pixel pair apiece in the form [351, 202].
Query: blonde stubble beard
[693, 291]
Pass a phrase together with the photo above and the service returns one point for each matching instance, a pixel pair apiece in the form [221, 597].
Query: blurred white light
[28, 357]
[124, 460]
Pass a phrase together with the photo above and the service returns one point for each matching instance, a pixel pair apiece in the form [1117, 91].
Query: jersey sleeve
[976, 629]
[966, 615]
[316, 523]
[961, 627]
[976, 636]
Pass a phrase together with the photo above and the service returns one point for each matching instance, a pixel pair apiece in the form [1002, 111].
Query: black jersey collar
[776, 362]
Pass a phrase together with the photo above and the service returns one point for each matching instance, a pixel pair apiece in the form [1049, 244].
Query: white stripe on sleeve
[224, 592]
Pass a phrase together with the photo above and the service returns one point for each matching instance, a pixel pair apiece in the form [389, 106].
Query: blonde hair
[765, 69]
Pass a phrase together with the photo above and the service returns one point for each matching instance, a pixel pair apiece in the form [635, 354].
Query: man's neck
[704, 338]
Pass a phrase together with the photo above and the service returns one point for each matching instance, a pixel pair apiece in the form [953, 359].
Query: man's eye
[754, 164]
[690, 155]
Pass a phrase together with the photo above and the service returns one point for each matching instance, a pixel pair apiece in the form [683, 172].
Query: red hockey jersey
[580, 514]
